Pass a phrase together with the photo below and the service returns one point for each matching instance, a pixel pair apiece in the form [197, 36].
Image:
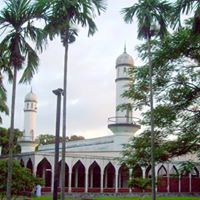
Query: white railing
[124, 120]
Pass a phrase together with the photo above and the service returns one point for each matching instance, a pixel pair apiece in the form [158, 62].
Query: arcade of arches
[111, 177]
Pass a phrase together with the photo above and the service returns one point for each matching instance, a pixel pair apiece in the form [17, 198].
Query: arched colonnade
[87, 175]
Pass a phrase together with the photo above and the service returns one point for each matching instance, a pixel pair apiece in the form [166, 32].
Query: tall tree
[177, 96]
[17, 27]
[61, 16]
[152, 17]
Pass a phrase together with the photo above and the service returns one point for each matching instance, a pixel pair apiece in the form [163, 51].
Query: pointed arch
[195, 180]
[66, 174]
[162, 179]
[173, 179]
[94, 174]
[173, 171]
[29, 165]
[195, 172]
[162, 172]
[94, 177]
[109, 176]
[185, 181]
[123, 177]
[78, 176]
[44, 170]
[137, 171]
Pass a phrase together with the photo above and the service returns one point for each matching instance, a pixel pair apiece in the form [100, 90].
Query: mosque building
[91, 164]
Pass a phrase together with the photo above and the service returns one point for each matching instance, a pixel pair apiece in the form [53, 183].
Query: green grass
[149, 198]
[122, 198]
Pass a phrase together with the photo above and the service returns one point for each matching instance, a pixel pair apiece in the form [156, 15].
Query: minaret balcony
[122, 125]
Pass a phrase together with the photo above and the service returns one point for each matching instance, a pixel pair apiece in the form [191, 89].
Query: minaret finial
[125, 47]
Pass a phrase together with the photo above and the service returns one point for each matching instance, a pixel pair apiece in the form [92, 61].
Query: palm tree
[16, 25]
[152, 20]
[186, 7]
[62, 15]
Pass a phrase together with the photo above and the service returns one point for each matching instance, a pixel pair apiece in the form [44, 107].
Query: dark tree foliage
[23, 180]
[3, 67]
[4, 139]
[176, 83]
[50, 139]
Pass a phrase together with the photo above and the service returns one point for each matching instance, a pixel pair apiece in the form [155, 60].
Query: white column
[156, 177]
[86, 180]
[116, 181]
[102, 171]
[34, 169]
[70, 181]
[179, 182]
[130, 177]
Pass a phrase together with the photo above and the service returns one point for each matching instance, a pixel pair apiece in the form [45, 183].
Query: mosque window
[32, 134]
[124, 69]
[32, 105]
[27, 105]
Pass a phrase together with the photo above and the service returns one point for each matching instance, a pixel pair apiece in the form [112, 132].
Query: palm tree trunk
[152, 121]
[64, 115]
[11, 136]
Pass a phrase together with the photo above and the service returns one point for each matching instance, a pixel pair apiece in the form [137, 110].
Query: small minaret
[123, 123]
[27, 141]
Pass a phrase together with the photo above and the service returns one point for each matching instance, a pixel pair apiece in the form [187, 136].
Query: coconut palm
[17, 28]
[186, 7]
[62, 15]
[152, 17]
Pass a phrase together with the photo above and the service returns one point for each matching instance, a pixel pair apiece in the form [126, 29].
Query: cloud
[91, 77]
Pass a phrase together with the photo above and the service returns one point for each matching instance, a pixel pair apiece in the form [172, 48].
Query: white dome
[124, 59]
[31, 97]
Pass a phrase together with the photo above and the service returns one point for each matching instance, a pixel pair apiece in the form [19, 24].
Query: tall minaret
[123, 123]
[27, 141]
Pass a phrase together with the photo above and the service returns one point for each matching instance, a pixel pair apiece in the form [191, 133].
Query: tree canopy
[4, 139]
[176, 85]
[50, 139]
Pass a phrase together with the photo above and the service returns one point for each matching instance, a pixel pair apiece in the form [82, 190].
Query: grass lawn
[123, 198]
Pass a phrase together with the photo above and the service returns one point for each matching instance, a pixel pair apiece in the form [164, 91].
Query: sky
[91, 77]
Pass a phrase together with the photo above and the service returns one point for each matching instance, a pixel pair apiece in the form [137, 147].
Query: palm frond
[3, 98]
[62, 14]
[184, 7]
[152, 17]
[32, 63]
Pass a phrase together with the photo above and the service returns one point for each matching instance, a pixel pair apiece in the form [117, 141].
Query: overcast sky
[91, 77]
